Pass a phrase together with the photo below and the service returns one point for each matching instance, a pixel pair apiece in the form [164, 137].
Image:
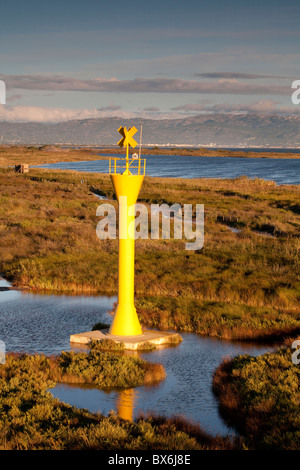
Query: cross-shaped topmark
[127, 137]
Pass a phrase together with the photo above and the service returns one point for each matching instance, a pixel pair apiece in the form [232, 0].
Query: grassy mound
[260, 396]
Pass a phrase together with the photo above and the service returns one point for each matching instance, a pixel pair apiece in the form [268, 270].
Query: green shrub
[260, 396]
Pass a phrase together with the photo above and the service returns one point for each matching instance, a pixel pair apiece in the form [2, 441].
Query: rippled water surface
[43, 324]
[282, 171]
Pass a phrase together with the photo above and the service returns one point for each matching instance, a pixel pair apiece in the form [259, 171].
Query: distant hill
[219, 130]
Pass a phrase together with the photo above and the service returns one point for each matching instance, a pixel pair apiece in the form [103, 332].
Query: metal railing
[119, 165]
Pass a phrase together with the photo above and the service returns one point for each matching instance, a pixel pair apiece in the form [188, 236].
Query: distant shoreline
[203, 152]
[46, 154]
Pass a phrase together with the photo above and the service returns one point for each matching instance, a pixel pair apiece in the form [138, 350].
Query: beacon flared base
[149, 338]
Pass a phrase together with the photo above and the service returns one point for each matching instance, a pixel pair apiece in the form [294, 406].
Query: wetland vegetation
[260, 397]
[241, 285]
[31, 419]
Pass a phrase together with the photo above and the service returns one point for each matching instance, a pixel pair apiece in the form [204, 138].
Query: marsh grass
[223, 320]
[100, 326]
[104, 370]
[14, 155]
[107, 345]
[260, 397]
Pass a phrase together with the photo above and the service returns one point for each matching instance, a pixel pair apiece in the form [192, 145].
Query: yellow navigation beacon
[127, 177]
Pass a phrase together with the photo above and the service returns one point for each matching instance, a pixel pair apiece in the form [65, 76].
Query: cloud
[111, 107]
[54, 115]
[152, 109]
[140, 85]
[11, 98]
[260, 107]
[187, 65]
[43, 114]
[234, 75]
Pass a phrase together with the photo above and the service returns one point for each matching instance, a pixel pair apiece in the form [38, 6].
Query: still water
[282, 171]
[36, 323]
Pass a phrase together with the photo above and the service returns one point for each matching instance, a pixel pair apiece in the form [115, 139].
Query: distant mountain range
[219, 130]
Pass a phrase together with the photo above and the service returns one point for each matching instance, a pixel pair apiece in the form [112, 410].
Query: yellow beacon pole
[127, 186]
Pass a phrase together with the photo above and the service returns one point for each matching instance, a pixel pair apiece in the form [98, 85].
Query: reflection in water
[43, 323]
[125, 404]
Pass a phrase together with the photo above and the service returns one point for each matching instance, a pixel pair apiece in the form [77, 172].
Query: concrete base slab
[148, 340]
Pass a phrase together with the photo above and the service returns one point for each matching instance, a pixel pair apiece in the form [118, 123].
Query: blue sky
[162, 59]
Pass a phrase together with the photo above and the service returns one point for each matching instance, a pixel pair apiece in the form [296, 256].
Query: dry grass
[259, 396]
[154, 373]
[15, 155]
